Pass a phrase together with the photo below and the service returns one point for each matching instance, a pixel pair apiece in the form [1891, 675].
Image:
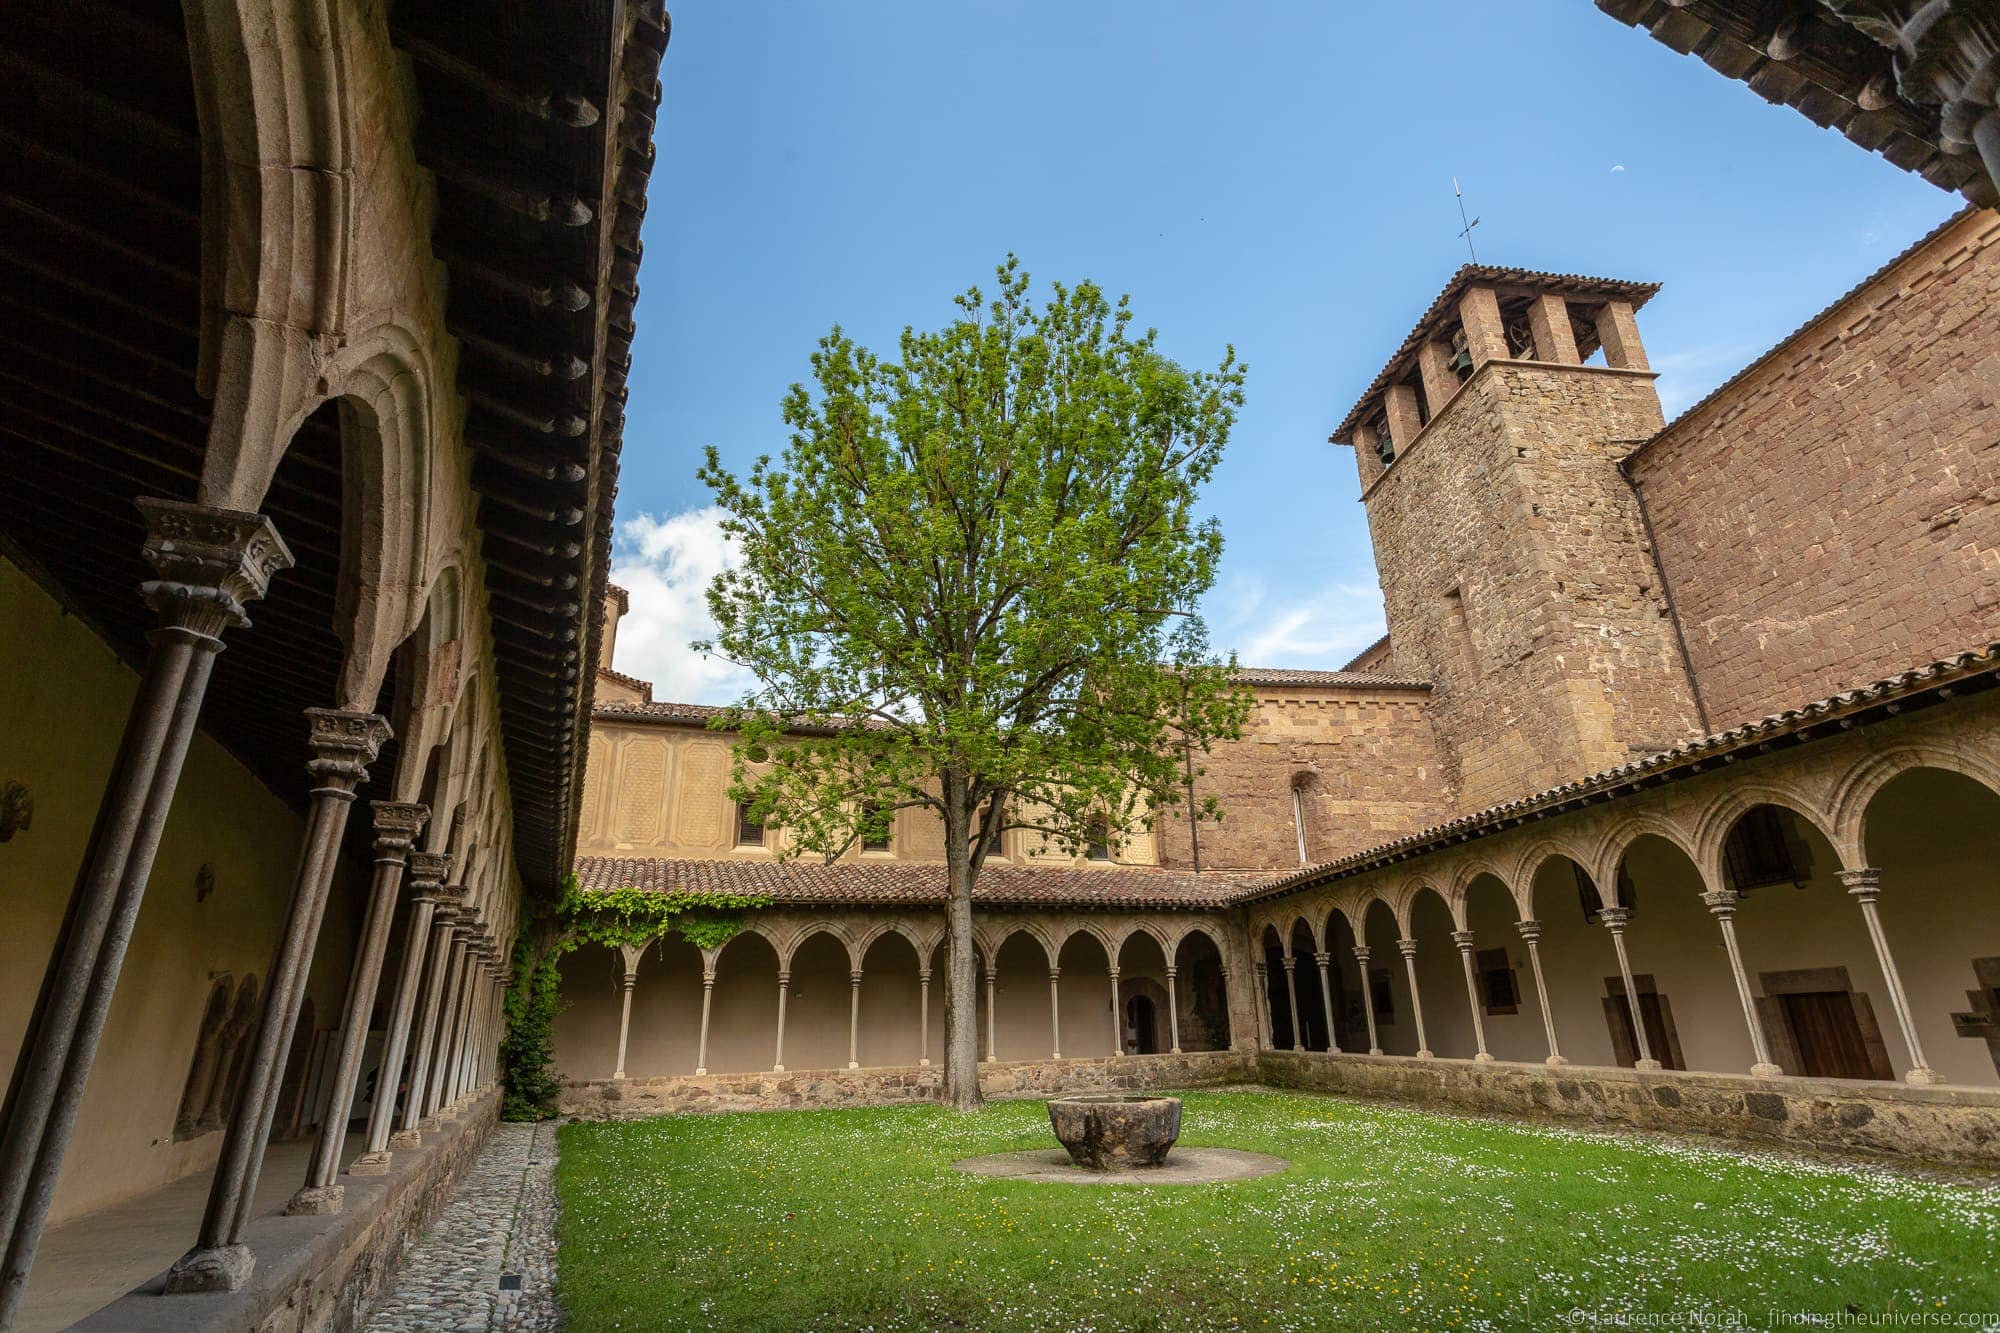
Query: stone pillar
[1174, 1009]
[448, 1002]
[707, 1001]
[1722, 902]
[343, 744]
[1548, 319]
[396, 827]
[1863, 886]
[992, 995]
[784, 989]
[1531, 931]
[1055, 1015]
[1228, 1007]
[1264, 1037]
[1292, 997]
[631, 978]
[924, 1021]
[458, 1088]
[207, 564]
[1614, 919]
[1367, 998]
[1485, 334]
[1409, 952]
[1326, 995]
[854, 1019]
[1406, 422]
[1618, 333]
[1440, 380]
[437, 976]
[1117, 1019]
[1463, 939]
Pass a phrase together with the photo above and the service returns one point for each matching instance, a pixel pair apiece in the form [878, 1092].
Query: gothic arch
[1618, 840]
[1858, 786]
[1719, 816]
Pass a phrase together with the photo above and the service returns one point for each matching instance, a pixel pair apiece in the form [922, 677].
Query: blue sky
[1276, 175]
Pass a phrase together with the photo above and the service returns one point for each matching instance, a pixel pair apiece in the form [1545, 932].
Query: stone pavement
[488, 1261]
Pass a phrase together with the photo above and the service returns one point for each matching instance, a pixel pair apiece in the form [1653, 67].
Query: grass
[1389, 1218]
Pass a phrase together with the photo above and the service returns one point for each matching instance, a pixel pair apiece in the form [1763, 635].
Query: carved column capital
[1864, 884]
[854, 977]
[1323, 957]
[1463, 939]
[450, 899]
[1291, 963]
[1408, 948]
[1361, 954]
[1054, 972]
[784, 976]
[1614, 918]
[343, 744]
[427, 875]
[1722, 902]
[1530, 930]
[397, 824]
[207, 563]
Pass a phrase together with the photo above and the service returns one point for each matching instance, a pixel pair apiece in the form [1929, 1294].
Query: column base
[701, 1070]
[1556, 1061]
[1426, 1055]
[1374, 1050]
[223, 1268]
[924, 1063]
[407, 1138]
[1298, 1049]
[428, 1125]
[1923, 1077]
[1483, 1058]
[775, 1069]
[1174, 1051]
[374, 1163]
[317, 1201]
[1766, 1070]
[854, 1064]
[1056, 1056]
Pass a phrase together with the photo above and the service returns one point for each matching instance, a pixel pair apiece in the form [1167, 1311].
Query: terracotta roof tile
[916, 883]
[1353, 679]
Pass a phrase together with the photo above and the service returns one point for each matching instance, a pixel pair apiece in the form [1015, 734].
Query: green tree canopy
[970, 585]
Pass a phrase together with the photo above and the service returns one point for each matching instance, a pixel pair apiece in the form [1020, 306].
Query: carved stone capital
[1614, 918]
[1864, 884]
[1408, 948]
[208, 563]
[397, 824]
[1463, 939]
[1530, 930]
[450, 899]
[343, 744]
[1322, 958]
[1291, 963]
[1361, 954]
[428, 871]
[1722, 902]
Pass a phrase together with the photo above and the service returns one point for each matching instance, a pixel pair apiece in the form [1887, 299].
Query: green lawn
[1389, 1218]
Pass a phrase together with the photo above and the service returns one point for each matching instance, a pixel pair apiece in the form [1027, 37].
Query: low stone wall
[320, 1273]
[1947, 1126]
[634, 1099]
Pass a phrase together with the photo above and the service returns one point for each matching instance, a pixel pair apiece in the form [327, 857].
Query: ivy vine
[614, 918]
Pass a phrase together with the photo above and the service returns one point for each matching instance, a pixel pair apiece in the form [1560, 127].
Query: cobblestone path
[488, 1261]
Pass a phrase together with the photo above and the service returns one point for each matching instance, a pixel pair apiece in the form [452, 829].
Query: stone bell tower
[1516, 569]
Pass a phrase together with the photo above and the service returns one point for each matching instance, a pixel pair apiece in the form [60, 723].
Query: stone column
[437, 977]
[207, 564]
[1463, 939]
[1228, 1018]
[1863, 886]
[992, 995]
[1173, 1009]
[396, 827]
[707, 1001]
[631, 978]
[784, 989]
[1367, 998]
[478, 956]
[854, 1019]
[1722, 902]
[1292, 996]
[1531, 931]
[924, 1022]
[1264, 1036]
[1117, 1021]
[1614, 919]
[1409, 952]
[343, 744]
[1055, 1015]
[454, 989]
[1326, 996]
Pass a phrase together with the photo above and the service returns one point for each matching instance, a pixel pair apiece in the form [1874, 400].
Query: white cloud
[1616, 167]
[666, 563]
[1319, 631]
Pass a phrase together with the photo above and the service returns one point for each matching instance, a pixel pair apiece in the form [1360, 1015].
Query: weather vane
[1469, 225]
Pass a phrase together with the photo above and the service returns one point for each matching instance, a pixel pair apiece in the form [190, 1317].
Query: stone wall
[1957, 1127]
[1516, 576]
[1366, 766]
[796, 1090]
[320, 1273]
[1832, 515]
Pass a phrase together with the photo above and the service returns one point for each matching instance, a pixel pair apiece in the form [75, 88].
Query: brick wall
[1368, 770]
[1833, 516]
[1516, 576]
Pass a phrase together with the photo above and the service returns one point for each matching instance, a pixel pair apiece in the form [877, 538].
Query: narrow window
[749, 832]
[1299, 820]
[1764, 849]
[1384, 995]
[1098, 847]
[1497, 980]
[1459, 629]
[876, 833]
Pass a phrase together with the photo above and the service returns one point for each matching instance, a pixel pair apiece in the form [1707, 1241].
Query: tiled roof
[645, 687]
[918, 883]
[1354, 679]
[1980, 665]
[697, 715]
[1492, 275]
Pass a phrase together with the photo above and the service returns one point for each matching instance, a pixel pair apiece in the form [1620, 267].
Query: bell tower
[1516, 571]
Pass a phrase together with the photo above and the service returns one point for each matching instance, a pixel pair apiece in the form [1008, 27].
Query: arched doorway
[1143, 1018]
[1201, 993]
[1312, 996]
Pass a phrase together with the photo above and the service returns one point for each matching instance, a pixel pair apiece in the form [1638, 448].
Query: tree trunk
[961, 1009]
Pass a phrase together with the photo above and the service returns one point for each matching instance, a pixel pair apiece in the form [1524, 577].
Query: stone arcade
[1681, 757]
[318, 317]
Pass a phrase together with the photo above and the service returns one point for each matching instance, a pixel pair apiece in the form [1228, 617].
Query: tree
[969, 586]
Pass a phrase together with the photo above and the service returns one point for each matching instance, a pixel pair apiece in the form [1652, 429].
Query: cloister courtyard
[1387, 1218]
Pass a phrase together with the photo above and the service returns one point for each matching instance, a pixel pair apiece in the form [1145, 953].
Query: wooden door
[1827, 1034]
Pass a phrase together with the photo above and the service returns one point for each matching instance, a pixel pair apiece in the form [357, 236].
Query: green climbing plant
[613, 918]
